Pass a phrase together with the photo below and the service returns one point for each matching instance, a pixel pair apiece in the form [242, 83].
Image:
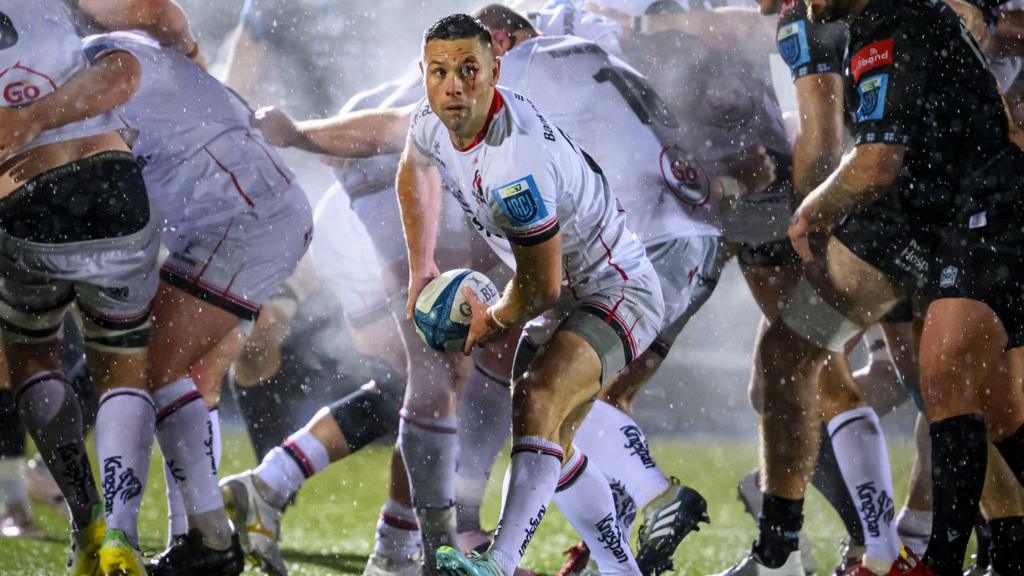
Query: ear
[420, 64]
[501, 42]
[497, 72]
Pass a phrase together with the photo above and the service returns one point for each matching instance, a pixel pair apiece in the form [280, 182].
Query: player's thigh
[770, 272]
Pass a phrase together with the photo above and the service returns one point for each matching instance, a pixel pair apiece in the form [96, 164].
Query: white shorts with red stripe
[234, 221]
[619, 323]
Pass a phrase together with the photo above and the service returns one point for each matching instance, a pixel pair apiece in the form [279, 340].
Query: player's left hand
[481, 328]
[802, 230]
[18, 127]
[277, 127]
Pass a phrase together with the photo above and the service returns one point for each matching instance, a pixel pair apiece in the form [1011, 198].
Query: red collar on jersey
[496, 103]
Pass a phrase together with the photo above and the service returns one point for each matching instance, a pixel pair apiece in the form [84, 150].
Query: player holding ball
[584, 294]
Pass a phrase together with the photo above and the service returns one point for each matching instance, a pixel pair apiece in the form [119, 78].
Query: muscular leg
[185, 328]
[548, 403]
[961, 343]
[791, 362]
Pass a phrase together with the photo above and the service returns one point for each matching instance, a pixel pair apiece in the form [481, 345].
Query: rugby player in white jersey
[525, 180]
[235, 225]
[100, 253]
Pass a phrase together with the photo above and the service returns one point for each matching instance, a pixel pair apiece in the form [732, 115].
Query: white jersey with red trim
[178, 108]
[663, 197]
[567, 20]
[190, 127]
[39, 51]
[524, 180]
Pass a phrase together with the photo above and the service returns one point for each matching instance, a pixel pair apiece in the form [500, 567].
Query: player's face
[460, 76]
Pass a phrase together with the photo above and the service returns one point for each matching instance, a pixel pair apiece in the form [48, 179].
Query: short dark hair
[458, 27]
[496, 16]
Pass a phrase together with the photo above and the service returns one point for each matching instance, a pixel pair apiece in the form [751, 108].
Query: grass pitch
[330, 530]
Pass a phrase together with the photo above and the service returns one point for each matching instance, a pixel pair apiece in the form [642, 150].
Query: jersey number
[8, 35]
[641, 97]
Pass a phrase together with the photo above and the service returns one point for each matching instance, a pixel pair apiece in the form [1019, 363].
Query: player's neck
[477, 131]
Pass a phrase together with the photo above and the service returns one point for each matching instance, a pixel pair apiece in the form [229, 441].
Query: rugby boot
[666, 521]
[749, 493]
[379, 565]
[189, 555]
[850, 556]
[752, 566]
[85, 544]
[117, 557]
[577, 561]
[450, 561]
[257, 523]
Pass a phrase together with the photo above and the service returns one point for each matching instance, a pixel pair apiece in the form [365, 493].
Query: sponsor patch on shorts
[520, 201]
[872, 98]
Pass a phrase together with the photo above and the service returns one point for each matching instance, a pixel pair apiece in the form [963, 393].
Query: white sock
[914, 528]
[485, 423]
[184, 429]
[398, 535]
[585, 499]
[12, 483]
[287, 466]
[863, 458]
[430, 450]
[613, 441]
[177, 524]
[529, 485]
[125, 424]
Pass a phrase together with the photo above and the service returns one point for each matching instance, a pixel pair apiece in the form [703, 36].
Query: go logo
[21, 92]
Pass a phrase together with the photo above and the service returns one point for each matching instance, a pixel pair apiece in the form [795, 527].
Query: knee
[945, 376]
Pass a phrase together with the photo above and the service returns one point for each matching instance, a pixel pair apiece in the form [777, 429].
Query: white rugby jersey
[567, 20]
[524, 180]
[665, 195]
[178, 109]
[39, 51]
[638, 7]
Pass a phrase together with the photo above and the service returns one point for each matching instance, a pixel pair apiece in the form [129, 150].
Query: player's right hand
[418, 280]
[277, 127]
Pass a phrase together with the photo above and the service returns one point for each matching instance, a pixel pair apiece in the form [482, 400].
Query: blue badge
[520, 201]
[872, 98]
[792, 41]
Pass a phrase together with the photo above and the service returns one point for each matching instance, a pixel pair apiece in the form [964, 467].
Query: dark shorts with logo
[986, 263]
[882, 237]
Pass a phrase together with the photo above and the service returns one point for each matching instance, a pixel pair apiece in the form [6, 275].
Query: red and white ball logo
[684, 176]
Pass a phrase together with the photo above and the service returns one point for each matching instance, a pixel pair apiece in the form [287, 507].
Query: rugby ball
[443, 315]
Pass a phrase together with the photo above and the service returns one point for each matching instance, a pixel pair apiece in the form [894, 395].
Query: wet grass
[330, 529]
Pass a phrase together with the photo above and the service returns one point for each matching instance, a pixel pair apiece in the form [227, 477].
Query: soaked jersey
[567, 20]
[638, 7]
[916, 77]
[178, 108]
[810, 47]
[39, 51]
[523, 180]
[665, 196]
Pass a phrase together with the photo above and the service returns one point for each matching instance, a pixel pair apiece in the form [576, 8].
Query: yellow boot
[86, 543]
[118, 557]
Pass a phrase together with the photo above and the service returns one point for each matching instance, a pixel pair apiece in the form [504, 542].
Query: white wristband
[490, 312]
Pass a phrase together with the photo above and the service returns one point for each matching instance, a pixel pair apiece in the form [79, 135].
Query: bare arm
[1008, 40]
[164, 20]
[533, 290]
[419, 199]
[112, 81]
[819, 145]
[354, 135]
[863, 177]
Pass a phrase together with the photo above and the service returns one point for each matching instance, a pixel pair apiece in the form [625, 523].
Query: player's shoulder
[137, 43]
[520, 121]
